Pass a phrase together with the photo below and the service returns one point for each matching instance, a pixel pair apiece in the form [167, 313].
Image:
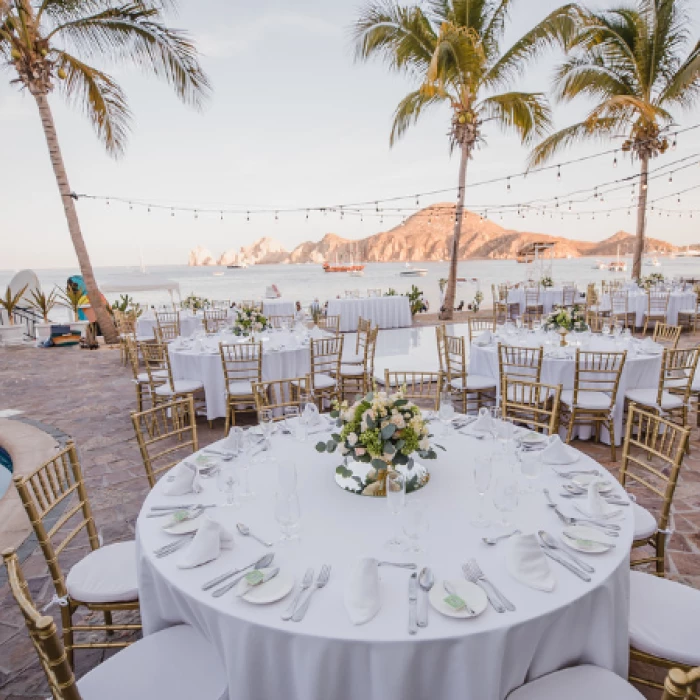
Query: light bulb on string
[131, 207]
[674, 144]
[149, 208]
[417, 201]
[670, 177]
[615, 160]
[307, 214]
[172, 211]
[508, 184]
[376, 205]
[558, 172]
[595, 193]
[196, 214]
[277, 216]
[107, 201]
[222, 215]
[247, 216]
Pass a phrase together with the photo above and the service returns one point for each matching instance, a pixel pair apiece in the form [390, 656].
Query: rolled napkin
[185, 479]
[526, 563]
[486, 338]
[207, 544]
[557, 452]
[484, 423]
[362, 595]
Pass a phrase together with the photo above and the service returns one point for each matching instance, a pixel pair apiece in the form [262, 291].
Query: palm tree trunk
[103, 317]
[448, 304]
[641, 219]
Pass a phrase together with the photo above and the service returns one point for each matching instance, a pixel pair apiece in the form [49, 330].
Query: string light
[615, 160]
[558, 172]
[508, 187]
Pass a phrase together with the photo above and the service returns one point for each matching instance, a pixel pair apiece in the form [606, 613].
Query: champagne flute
[227, 482]
[446, 412]
[505, 497]
[396, 500]
[266, 419]
[288, 515]
[247, 447]
[415, 523]
[483, 470]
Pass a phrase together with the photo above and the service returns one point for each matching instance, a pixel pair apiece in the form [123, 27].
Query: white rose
[424, 444]
[352, 439]
[344, 450]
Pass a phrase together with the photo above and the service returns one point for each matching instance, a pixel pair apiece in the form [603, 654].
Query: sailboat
[617, 265]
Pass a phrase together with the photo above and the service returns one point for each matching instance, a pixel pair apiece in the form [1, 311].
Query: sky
[292, 121]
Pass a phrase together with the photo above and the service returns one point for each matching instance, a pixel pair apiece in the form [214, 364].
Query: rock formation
[200, 256]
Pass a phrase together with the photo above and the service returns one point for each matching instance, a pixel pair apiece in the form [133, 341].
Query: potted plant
[75, 300]
[43, 303]
[11, 333]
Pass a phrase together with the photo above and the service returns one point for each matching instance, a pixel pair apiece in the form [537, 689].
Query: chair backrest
[166, 434]
[519, 363]
[440, 333]
[168, 318]
[125, 322]
[569, 296]
[415, 386]
[251, 304]
[681, 684]
[597, 372]
[374, 292]
[165, 332]
[325, 357]
[280, 394]
[132, 355]
[478, 325]
[455, 359]
[329, 323]
[369, 350]
[215, 320]
[241, 362]
[58, 480]
[221, 304]
[666, 335]
[281, 320]
[155, 358]
[619, 302]
[364, 326]
[532, 296]
[591, 295]
[43, 633]
[532, 403]
[657, 303]
[677, 372]
[658, 455]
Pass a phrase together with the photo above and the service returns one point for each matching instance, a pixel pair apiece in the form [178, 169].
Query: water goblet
[227, 481]
[267, 424]
[530, 466]
[505, 497]
[288, 515]
[415, 523]
[605, 329]
[446, 411]
[483, 470]
[248, 446]
[396, 500]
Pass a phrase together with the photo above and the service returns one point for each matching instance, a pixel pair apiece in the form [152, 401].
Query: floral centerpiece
[195, 303]
[566, 320]
[384, 431]
[651, 280]
[249, 320]
[476, 301]
[547, 282]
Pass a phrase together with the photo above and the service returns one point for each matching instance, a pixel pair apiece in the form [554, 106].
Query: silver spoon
[495, 540]
[245, 531]
[426, 581]
[550, 502]
[551, 543]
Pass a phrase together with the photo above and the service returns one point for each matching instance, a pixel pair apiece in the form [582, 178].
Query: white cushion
[240, 388]
[323, 381]
[106, 575]
[142, 378]
[645, 524]
[663, 618]
[177, 663]
[475, 382]
[351, 358]
[578, 683]
[647, 397]
[182, 386]
[352, 370]
[587, 399]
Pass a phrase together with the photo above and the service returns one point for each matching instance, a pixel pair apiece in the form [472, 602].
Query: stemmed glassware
[396, 500]
[505, 497]
[483, 470]
[415, 523]
[247, 445]
[605, 329]
[288, 515]
[530, 466]
[227, 482]
[446, 411]
[267, 424]
[293, 423]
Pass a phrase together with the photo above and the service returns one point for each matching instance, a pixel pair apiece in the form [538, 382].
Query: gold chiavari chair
[682, 684]
[666, 335]
[422, 387]
[568, 296]
[533, 304]
[168, 318]
[166, 332]
[657, 307]
[519, 363]
[358, 379]
[251, 304]
[330, 324]
[596, 321]
[531, 403]
[169, 388]
[143, 380]
[364, 326]
[126, 327]
[500, 304]
[472, 388]
[166, 434]
[477, 326]
[325, 368]
[596, 381]
[280, 321]
[194, 670]
[215, 320]
[279, 394]
[104, 580]
[671, 398]
[221, 304]
[619, 309]
[688, 317]
[242, 365]
[652, 457]
[440, 333]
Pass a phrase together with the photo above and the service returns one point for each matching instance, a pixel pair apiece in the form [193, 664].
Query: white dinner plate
[583, 535]
[467, 591]
[584, 481]
[187, 526]
[530, 437]
[272, 591]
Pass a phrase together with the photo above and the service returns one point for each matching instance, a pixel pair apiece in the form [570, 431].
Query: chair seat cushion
[240, 388]
[177, 663]
[352, 370]
[142, 378]
[351, 358]
[106, 575]
[587, 399]
[475, 382]
[662, 615]
[645, 524]
[323, 381]
[647, 397]
[578, 683]
[182, 386]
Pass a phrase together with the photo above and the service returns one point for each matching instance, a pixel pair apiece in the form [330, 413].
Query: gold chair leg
[613, 448]
[570, 429]
[108, 621]
[67, 624]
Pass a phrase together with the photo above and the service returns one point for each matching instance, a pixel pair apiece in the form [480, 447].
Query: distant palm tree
[632, 61]
[452, 50]
[40, 40]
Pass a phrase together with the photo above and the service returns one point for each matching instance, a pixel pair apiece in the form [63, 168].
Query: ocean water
[308, 282]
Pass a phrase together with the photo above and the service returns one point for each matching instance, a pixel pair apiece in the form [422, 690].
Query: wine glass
[293, 424]
[505, 497]
[530, 466]
[288, 515]
[446, 411]
[227, 482]
[536, 326]
[247, 447]
[605, 329]
[415, 523]
[483, 470]
[267, 424]
[396, 500]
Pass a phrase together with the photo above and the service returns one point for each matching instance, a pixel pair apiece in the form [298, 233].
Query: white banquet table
[189, 324]
[324, 656]
[278, 307]
[385, 312]
[637, 303]
[549, 298]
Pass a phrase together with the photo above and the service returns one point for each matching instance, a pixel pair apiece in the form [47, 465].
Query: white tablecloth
[325, 656]
[637, 303]
[639, 372]
[188, 324]
[549, 298]
[385, 312]
[206, 366]
[278, 307]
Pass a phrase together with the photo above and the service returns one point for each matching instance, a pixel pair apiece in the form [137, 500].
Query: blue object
[5, 470]
[79, 282]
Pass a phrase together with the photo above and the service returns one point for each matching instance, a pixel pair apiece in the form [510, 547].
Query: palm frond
[458, 60]
[628, 109]
[101, 98]
[493, 31]
[412, 106]
[589, 76]
[684, 87]
[528, 114]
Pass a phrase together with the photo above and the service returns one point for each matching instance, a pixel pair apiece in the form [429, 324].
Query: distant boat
[217, 274]
[327, 267]
[357, 273]
[237, 266]
[654, 262]
[617, 265]
[411, 271]
[688, 253]
[599, 265]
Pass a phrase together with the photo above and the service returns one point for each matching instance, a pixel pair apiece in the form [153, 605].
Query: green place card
[455, 602]
[180, 516]
[254, 577]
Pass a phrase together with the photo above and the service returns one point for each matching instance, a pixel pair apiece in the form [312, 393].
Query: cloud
[232, 40]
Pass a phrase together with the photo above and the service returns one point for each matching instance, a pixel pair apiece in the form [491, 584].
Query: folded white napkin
[557, 452]
[596, 504]
[362, 595]
[207, 544]
[311, 415]
[184, 480]
[484, 339]
[484, 423]
[526, 563]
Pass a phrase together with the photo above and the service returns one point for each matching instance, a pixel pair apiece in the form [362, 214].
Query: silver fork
[305, 584]
[472, 572]
[321, 581]
[173, 546]
[610, 529]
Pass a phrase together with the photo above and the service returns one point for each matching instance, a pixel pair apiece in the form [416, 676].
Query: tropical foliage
[49, 44]
[43, 302]
[636, 64]
[73, 298]
[11, 301]
[193, 302]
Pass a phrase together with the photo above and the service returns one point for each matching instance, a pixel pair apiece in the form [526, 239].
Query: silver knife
[225, 589]
[413, 603]
[567, 565]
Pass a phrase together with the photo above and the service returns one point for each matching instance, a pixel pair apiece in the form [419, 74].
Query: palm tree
[42, 40]
[632, 61]
[451, 48]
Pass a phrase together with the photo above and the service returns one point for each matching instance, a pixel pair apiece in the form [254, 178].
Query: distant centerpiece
[249, 320]
[566, 320]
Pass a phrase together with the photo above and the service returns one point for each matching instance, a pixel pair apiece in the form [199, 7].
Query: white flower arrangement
[249, 320]
[566, 319]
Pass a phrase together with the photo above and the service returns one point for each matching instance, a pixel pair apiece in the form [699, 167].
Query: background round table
[637, 303]
[325, 656]
[278, 307]
[549, 298]
[385, 312]
[146, 325]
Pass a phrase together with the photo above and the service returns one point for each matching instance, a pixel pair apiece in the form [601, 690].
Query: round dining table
[641, 369]
[638, 304]
[549, 298]
[189, 324]
[326, 656]
[384, 312]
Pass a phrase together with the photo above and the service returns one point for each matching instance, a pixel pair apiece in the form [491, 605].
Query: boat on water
[412, 271]
[653, 262]
[357, 273]
[327, 267]
[217, 274]
[687, 253]
[237, 266]
[618, 265]
[599, 265]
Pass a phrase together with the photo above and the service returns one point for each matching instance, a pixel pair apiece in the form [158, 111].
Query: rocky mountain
[426, 236]
[200, 256]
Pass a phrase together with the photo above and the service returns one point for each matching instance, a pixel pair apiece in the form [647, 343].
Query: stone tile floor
[88, 395]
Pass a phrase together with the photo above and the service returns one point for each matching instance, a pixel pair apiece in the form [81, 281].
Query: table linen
[549, 298]
[637, 303]
[278, 307]
[385, 312]
[146, 325]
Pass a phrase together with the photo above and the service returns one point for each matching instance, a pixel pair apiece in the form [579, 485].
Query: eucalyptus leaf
[336, 437]
[388, 431]
[320, 447]
[389, 449]
[379, 464]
